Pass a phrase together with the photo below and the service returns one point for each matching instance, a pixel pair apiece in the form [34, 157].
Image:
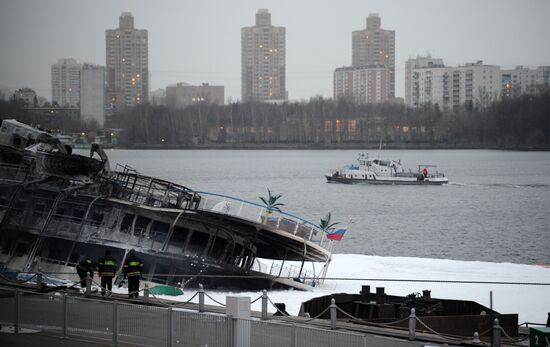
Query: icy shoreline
[531, 302]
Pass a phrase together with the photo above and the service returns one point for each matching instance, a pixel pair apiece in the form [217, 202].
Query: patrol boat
[56, 206]
[384, 171]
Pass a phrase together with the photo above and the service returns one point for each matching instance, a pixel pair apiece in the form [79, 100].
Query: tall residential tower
[66, 82]
[375, 47]
[92, 93]
[127, 64]
[263, 74]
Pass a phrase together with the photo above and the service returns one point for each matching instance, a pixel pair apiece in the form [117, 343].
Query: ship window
[218, 248]
[97, 217]
[21, 249]
[141, 225]
[78, 213]
[38, 210]
[158, 233]
[6, 246]
[20, 205]
[177, 241]
[198, 242]
[235, 257]
[126, 225]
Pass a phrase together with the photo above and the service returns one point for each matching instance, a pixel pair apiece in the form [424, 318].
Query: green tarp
[166, 290]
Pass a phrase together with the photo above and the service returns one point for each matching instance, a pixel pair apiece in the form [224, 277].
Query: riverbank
[332, 146]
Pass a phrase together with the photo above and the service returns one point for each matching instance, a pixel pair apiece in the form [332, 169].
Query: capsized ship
[385, 171]
[56, 206]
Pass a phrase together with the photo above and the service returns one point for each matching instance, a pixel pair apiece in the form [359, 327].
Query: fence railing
[131, 323]
[257, 213]
[160, 323]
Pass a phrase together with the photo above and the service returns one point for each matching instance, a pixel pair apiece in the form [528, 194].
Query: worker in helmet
[107, 270]
[133, 269]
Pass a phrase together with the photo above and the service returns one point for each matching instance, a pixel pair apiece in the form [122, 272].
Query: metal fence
[115, 322]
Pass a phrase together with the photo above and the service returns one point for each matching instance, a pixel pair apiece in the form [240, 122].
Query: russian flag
[337, 235]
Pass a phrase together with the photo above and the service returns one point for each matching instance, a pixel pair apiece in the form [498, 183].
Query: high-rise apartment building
[263, 64]
[423, 78]
[92, 93]
[362, 84]
[66, 82]
[375, 46]
[127, 64]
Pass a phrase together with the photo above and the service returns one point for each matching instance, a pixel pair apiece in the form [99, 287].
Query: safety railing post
[65, 314]
[496, 333]
[264, 304]
[293, 336]
[17, 312]
[169, 324]
[115, 323]
[39, 279]
[476, 339]
[201, 298]
[88, 285]
[412, 325]
[333, 314]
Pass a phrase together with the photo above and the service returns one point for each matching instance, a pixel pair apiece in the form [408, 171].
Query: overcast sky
[199, 41]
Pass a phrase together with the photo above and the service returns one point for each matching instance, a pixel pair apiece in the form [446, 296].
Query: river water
[496, 207]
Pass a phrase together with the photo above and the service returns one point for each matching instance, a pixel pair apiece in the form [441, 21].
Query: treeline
[522, 122]
[51, 121]
[514, 123]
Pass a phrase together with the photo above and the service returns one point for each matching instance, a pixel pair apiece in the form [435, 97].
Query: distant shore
[333, 146]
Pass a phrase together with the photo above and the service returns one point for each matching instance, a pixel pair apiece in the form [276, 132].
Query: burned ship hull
[183, 237]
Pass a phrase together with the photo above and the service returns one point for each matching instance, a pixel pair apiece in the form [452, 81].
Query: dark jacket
[107, 266]
[133, 266]
[84, 267]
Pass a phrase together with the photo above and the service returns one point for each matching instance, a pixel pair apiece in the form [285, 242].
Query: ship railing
[290, 271]
[285, 271]
[260, 214]
[55, 261]
[436, 174]
[145, 190]
[14, 173]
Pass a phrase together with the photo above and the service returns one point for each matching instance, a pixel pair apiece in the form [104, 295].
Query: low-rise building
[523, 80]
[182, 95]
[158, 97]
[26, 95]
[429, 81]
